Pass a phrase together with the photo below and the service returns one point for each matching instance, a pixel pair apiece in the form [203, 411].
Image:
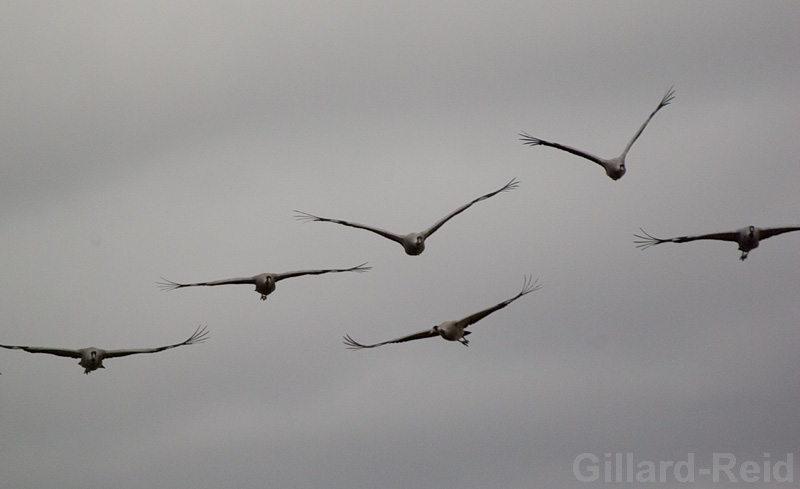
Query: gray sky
[147, 140]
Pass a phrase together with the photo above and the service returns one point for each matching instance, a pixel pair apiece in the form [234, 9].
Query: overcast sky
[151, 139]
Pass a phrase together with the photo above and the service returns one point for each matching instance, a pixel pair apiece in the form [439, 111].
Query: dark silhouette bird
[264, 282]
[92, 358]
[413, 243]
[450, 330]
[615, 167]
[747, 238]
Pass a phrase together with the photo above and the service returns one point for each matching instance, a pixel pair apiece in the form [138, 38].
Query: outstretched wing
[61, 352]
[509, 186]
[304, 216]
[770, 232]
[170, 285]
[359, 268]
[527, 288]
[532, 141]
[664, 102]
[199, 336]
[354, 345]
[646, 240]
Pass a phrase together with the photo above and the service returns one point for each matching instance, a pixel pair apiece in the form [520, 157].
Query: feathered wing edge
[61, 352]
[200, 335]
[170, 285]
[533, 141]
[665, 100]
[770, 232]
[646, 240]
[354, 345]
[305, 216]
[514, 183]
[358, 268]
[529, 285]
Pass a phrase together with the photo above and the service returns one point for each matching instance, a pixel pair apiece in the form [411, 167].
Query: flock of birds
[747, 238]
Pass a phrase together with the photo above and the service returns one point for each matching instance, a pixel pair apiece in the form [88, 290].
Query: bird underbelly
[748, 244]
[414, 249]
[451, 334]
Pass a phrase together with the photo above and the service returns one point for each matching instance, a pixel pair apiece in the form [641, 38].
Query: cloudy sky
[145, 140]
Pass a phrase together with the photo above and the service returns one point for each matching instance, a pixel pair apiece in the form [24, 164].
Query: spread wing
[304, 216]
[509, 186]
[61, 352]
[199, 336]
[359, 268]
[646, 240]
[664, 102]
[532, 141]
[527, 288]
[768, 233]
[354, 345]
[170, 285]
